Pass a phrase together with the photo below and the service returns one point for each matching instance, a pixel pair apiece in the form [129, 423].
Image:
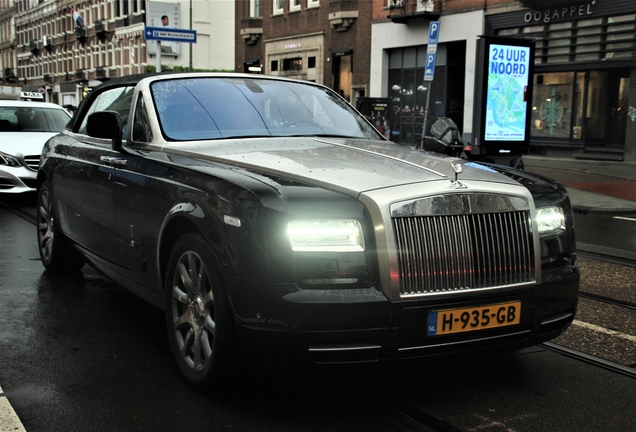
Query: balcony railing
[402, 11]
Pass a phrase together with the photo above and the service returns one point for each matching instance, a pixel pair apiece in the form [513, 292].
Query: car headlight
[8, 160]
[325, 236]
[550, 220]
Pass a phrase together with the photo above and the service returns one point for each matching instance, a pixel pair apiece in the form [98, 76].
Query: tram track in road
[608, 300]
[607, 258]
[398, 414]
[590, 359]
[612, 260]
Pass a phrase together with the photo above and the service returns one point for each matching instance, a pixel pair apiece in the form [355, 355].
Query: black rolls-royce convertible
[271, 221]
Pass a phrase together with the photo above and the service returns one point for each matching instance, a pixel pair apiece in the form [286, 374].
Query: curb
[9, 420]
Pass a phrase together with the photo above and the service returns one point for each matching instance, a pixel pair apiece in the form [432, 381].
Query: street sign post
[429, 68]
[169, 35]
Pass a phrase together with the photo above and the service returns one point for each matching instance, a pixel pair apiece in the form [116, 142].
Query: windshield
[212, 108]
[32, 119]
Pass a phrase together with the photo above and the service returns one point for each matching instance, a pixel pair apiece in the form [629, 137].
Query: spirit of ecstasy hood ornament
[456, 183]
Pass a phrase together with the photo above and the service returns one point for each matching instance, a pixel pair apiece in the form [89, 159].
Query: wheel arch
[180, 221]
[41, 178]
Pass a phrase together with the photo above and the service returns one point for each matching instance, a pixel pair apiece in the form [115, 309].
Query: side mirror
[106, 124]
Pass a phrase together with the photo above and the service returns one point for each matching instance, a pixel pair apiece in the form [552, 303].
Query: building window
[552, 105]
[311, 62]
[293, 64]
[620, 36]
[278, 7]
[589, 40]
[580, 107]
[294, 5]
[255, 8]
[274, 66]
[313, 3]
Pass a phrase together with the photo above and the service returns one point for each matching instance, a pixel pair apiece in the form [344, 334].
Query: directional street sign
[429, 68]
[170, 34]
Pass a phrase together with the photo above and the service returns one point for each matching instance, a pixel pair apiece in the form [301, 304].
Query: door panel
[89, 203]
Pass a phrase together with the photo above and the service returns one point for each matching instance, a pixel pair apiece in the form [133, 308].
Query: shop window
[293, 64]
[581, 107]
[552, 105]
[408, 91]
[274, 66]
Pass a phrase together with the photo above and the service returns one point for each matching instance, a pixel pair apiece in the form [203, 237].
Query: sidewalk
[608, 186]
[9, 421]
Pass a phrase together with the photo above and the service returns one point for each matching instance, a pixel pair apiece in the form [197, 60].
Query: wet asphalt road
[82, 354]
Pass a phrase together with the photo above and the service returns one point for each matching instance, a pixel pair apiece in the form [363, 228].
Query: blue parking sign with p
[433, 33]
[429, 68]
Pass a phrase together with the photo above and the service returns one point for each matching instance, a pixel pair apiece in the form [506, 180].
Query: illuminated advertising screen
[506, 93]
[503, 94]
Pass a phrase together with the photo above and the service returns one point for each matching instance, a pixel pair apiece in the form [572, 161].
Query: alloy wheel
[193, 311]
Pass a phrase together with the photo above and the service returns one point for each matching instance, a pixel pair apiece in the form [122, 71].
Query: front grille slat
[463, 252]
[32, 162]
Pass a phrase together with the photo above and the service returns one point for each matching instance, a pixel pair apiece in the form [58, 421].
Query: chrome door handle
[113, 160]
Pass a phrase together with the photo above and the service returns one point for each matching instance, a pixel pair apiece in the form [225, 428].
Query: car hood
[24, 143]
[348, 165]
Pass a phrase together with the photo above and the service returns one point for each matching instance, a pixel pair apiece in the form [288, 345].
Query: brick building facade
[48, 51]
[325, 41]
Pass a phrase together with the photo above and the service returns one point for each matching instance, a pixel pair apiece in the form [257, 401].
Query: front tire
[198, 315]
[57, 255]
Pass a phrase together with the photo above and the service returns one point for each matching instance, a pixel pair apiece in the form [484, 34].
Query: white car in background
[24, 128]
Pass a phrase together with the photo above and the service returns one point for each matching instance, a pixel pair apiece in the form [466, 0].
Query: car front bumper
[277, 326]
[17, 180]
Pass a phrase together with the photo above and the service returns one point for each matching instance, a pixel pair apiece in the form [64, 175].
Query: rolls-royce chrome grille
[445, 253]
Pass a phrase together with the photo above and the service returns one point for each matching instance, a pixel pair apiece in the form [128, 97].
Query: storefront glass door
[619, 109]
[596, 112]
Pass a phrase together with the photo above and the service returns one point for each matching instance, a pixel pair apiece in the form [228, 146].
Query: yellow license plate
[474, 318]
